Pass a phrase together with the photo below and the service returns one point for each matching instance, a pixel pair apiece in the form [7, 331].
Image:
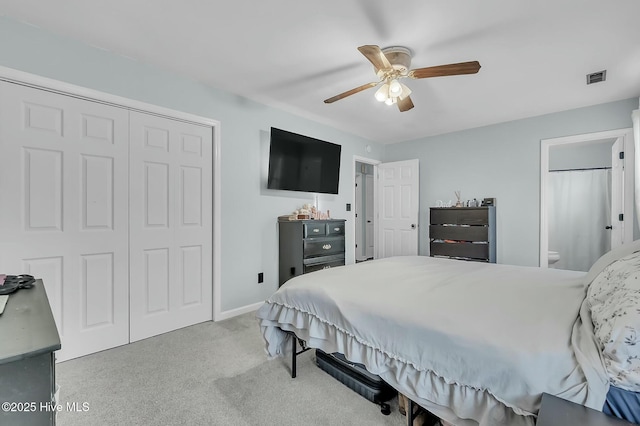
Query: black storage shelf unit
[466, 233]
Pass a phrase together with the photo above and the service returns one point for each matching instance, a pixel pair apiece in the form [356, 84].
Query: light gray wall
[249, 210]
[495, 161]
[501, 161]
[582, 156]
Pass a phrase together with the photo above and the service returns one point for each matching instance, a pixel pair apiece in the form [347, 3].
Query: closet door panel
[65, 166]
[171, 224]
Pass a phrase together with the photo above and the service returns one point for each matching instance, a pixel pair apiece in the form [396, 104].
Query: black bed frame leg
[410, 412]
[294, 355]
[295, 352]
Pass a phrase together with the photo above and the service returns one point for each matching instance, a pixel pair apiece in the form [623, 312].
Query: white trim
[374, 163]
[26, 79]
[217, 226]
[545, 144]
[635, 118]
[239, 311]
[359, 159]
[36, 81]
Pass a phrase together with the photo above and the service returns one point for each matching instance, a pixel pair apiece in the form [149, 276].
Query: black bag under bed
[356, 377]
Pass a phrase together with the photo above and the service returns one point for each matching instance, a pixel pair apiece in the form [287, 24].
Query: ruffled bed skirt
[473, 406]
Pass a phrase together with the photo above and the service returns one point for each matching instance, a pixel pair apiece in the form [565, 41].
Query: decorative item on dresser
[467, 233]
[309, 245]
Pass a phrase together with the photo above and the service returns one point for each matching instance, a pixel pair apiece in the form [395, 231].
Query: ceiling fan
[392, 64]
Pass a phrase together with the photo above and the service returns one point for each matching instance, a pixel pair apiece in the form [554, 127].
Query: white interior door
[398, 197]
[64, 192]
[171, 224]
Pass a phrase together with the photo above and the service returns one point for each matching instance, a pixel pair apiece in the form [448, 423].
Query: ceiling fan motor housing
[399, 57]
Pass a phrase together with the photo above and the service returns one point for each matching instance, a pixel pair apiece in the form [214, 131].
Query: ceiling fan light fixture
[395, 88]
[405, 91]
[391, 101]
[382, 94]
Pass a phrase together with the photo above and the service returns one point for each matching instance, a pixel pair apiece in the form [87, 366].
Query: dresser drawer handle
[316, 230]
[336, 229]
[326, 267]
[326, 246]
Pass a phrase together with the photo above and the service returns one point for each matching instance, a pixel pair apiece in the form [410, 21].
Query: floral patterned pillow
[614, 298]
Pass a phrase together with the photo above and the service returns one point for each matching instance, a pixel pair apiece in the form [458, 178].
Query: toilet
[553, 257]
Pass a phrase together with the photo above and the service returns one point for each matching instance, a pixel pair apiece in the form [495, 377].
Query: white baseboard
[238, 311]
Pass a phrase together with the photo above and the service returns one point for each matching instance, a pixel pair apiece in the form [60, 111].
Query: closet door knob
[608, 227]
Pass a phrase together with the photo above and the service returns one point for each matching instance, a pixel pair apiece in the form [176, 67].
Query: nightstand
[556, 411]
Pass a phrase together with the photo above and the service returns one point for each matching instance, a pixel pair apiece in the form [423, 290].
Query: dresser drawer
[314, 230]
[463, 250]
[326, 264]
[461, 216]
[335, 228]
[322, 246]
[459, 233]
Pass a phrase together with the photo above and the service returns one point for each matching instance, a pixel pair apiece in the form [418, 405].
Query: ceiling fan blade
[405, 104]
[376, 57]
[444, 70]
[351, 92]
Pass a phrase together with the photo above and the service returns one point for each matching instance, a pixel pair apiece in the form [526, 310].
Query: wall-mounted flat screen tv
[302, 163]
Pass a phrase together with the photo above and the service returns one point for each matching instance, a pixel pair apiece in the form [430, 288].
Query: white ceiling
[294, 54]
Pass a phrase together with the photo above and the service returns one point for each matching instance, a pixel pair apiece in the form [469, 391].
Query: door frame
[357, 209]
[626, 135]
[39, 82]
[374, 163]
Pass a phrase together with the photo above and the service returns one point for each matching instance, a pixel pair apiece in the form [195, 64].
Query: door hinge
[621, 155]
[621, 217]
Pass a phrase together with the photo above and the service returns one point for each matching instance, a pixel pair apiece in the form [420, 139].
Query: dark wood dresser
[28, 340]
[467, 233]
[309, 245]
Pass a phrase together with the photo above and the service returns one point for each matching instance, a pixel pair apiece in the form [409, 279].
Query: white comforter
[474, 343]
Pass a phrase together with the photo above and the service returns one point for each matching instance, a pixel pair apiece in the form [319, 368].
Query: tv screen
[301, 163]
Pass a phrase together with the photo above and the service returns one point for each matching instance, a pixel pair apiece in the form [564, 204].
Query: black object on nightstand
[556, 411]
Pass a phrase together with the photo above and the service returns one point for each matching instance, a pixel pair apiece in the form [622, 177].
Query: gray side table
[28, 340]
[556, 411]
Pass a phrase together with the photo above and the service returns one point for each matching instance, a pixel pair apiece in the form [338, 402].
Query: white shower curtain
[579, 211]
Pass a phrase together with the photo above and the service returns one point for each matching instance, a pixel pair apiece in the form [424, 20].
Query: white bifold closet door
[112, 209]
[64, 210]
[170, 225]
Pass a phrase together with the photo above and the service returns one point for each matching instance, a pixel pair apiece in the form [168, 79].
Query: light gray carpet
[208, 374]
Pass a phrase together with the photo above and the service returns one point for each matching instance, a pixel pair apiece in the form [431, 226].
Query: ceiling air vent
[597, 77]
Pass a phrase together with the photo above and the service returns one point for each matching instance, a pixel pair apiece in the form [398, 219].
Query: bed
[473, 343]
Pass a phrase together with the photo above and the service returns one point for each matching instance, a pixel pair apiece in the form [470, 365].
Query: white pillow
[614, 299]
